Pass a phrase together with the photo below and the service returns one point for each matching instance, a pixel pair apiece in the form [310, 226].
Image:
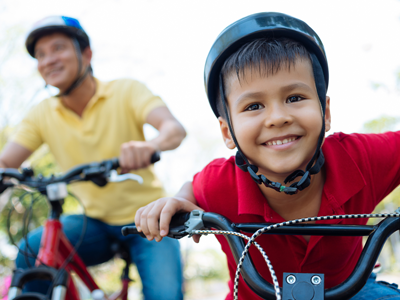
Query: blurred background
[164, 44]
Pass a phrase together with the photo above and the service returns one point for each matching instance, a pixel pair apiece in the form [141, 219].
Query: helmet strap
[316, 162]
[79, 77]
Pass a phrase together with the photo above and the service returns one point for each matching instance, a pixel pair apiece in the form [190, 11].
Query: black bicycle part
[122, 251]
[309, 229]
[22, 276]
[31, 296]
[346, 290]
[303, 286]
[378, 234]
[97, 172]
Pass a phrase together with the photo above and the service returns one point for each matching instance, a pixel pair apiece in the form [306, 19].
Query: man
[90, 120]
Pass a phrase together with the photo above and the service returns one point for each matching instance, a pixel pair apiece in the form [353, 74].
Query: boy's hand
[154, 219]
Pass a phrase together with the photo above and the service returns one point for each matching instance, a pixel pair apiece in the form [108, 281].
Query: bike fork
[20, 277]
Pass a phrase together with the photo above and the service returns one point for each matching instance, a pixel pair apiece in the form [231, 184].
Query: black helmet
[67, 25]
[268, 25]
[265, 24]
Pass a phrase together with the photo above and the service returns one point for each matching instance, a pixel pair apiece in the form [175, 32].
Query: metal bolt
[291, 279]
[316, 280]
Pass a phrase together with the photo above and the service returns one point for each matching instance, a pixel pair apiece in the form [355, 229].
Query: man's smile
[54, 71]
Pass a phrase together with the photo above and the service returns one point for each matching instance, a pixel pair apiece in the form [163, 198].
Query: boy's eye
[254, 106]
[292, 99]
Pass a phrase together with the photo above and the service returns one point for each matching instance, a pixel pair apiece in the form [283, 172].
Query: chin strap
[316, 162]
[294, 187]
[79, 78]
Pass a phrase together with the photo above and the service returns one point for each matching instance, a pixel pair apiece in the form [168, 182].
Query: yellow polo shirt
[115, 115]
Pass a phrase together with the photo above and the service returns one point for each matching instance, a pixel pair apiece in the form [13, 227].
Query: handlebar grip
[126, 230]
[115, 163]
[176, 228]
[155, 157]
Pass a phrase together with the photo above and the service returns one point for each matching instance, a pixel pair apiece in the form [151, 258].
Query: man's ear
[226, 134]
[328, 114]
[87, 55]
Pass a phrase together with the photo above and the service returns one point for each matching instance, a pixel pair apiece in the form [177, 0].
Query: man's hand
[136, 155]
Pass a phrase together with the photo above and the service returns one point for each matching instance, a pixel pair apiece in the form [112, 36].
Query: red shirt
[361, 169]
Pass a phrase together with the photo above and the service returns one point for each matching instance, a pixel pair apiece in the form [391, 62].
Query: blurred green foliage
[381, 124]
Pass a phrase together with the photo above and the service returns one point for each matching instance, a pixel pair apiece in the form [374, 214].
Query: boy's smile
[276, 117]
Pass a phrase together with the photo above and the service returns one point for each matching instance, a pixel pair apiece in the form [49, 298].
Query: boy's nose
[277, 116]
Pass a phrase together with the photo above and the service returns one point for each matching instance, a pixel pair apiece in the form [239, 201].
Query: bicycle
[57, 258]
[295, 285]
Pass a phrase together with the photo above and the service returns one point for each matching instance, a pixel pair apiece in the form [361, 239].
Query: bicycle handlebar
[377, 237]
[97, 172]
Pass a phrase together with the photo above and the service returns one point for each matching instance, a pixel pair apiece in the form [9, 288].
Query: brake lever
[114, 177]
[194, 222]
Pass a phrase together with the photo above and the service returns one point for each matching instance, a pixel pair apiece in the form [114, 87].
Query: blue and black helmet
[268, 25]
[48, 25]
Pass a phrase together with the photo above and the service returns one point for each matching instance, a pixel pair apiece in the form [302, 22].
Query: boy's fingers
[143, 219]
[168, 211]
[196, 238]
[137, 218]
[152, 221]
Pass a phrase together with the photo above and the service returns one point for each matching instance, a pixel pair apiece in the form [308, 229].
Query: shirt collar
[100, 93]
[343, 180]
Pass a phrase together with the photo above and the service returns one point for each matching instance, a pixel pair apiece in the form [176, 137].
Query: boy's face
[276, 118]
[57, 59]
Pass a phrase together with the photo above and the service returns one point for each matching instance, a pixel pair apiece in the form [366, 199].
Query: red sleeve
[209, 183]
[198, 190]
[378, 157]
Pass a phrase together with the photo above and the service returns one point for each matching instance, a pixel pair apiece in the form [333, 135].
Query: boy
[266, 80]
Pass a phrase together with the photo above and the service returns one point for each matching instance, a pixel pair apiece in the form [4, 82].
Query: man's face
[276, 118]
[57, 60]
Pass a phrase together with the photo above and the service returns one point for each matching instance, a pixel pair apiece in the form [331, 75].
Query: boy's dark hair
[265, 56]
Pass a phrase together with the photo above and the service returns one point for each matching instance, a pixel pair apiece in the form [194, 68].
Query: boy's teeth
[279, 142]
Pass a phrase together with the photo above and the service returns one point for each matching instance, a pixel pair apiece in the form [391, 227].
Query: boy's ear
[226, 134]
[328, 114]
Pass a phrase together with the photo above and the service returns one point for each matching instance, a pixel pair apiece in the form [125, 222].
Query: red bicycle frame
[56, 252]
[55, 249]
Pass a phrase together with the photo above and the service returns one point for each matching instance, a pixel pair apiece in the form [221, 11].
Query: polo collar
[343, 180]
[100, 93]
